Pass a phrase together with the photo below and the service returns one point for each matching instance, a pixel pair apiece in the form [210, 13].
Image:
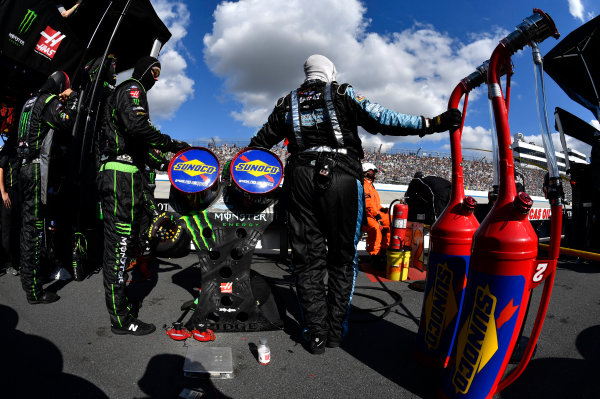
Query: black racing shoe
[316, 344]
[46, 297]
[133, 326]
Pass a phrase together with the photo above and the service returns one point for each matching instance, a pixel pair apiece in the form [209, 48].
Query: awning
[574, 64]
[576, 128]
[36, 40]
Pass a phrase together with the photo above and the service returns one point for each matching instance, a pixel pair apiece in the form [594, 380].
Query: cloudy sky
[229, 61]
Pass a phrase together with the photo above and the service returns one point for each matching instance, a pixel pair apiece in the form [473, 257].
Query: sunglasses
[155, 72]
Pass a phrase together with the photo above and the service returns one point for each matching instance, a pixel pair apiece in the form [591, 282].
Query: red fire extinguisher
[450, 251]
[504, 269]
[398, 226]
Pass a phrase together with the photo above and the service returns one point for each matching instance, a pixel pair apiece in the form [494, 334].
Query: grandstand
[399, 166]
[531, 155]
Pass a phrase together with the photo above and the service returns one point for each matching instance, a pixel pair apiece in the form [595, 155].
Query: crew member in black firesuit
[324, 186]
[10, 215]
[52, 108]
[156, 160]
[127, 137]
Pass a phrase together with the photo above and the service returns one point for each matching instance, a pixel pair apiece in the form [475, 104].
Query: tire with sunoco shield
[168, 236]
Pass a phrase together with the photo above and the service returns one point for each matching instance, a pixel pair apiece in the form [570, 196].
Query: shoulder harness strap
[333, 119]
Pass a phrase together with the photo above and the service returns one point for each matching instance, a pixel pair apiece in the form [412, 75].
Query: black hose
[387, 307]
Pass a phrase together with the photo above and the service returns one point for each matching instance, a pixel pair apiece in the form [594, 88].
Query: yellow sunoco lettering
[257, 168]
[475, 338]
[440, 298]
[194, 168]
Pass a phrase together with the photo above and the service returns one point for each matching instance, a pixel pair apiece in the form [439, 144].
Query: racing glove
[379, 220]
[177, 146]
[448, 120]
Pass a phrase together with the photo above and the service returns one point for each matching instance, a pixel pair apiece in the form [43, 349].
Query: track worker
[51, 110]
[126, 139]
[378, 221]
[324, 187]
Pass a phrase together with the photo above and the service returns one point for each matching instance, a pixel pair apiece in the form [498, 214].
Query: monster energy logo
[28, 19]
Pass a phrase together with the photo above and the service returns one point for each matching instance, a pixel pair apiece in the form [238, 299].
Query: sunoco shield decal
[487, 324]
[194, 170]
[442, 305]
[257, 171]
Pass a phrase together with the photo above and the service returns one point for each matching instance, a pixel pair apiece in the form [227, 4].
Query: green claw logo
[28, 19]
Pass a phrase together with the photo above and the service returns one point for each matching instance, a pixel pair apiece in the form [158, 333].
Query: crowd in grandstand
[400, 167]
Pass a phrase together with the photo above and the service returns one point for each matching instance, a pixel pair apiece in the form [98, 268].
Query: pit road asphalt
[66, 349]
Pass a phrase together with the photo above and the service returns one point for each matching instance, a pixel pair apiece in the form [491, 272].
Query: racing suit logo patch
[49, 42]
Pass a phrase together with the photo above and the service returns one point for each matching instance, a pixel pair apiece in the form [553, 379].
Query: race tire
[168, 236]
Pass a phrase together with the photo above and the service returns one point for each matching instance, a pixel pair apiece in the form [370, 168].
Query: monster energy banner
[36, 36]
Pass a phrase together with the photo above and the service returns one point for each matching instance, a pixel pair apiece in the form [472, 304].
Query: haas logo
[226, 288]
[49, 42]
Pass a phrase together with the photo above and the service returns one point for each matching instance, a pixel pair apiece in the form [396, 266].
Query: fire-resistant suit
[127, 136]
[324, 188]
[378, 222]
[41, 113]
[155, 161]
[10, 213]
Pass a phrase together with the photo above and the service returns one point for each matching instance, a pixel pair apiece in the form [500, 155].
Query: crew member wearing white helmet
[378, 222]
[323, 181]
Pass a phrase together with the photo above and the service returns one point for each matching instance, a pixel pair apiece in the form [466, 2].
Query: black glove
[449, 120]
[177, 146]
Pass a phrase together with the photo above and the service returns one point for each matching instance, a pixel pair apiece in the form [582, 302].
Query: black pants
[32, 230]
[11, 228]
[120, 188]
[324, 230]
[150, 210]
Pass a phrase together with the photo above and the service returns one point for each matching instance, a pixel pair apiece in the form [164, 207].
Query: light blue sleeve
[382, 115]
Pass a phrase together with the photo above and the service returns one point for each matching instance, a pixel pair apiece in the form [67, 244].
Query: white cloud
[576, 9]
[172, 89]
[259, 52]
[374, 142]
[476, 142]
[174, 86]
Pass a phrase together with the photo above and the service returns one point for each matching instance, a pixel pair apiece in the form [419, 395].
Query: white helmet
[369, 166]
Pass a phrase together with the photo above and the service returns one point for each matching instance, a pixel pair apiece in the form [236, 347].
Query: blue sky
[229, 61]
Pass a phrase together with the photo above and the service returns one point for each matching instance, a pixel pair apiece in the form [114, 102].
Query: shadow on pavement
[164, 378]
[388, 349]
[32, 366]
[562, 378]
